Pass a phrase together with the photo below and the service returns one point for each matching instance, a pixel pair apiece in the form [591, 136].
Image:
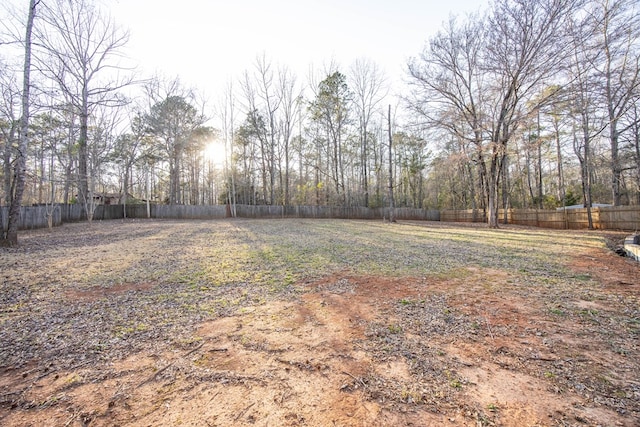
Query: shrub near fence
[609, 218]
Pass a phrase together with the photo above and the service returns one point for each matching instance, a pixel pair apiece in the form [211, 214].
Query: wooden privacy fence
[609, 218]
[32, 217]
[329, 212]
[604, 218]
[267, 211]
[37, 216]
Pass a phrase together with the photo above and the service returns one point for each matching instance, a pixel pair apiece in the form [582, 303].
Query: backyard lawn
[317, 323]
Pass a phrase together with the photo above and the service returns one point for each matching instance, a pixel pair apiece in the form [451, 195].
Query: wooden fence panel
[467, 215]
[619, 218]
[182, 212]
[258, 211]
[610, 218]
[138, 211]
[577, 219]
[605, 218]
[72, 213]
[412, 214]
[32, 217]
[108, 212]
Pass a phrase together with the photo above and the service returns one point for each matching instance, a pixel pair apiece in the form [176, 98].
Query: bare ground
[317, 323]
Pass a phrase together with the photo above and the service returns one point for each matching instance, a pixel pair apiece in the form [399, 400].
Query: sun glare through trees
[214, 154]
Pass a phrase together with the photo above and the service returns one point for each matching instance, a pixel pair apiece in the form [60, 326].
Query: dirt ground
[466, 348]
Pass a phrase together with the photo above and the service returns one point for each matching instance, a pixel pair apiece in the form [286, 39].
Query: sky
[211, 43]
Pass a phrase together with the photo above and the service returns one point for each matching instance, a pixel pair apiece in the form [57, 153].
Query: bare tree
[9, 126]
[271, 102]
[127, 152]
[10, 236]
[479, 79]
[288, 93]
[82, 55]
[176, 124]
[48, 133]
[105, 126]
[588, 119]
[226, 114]
[270, 105]
[392, 202]
[617, 31]
[448, 84]
[634, 131]
[368, 85]
[255, 128]
[556, 114]
[527, 48]
[258, 124]
[330, 111]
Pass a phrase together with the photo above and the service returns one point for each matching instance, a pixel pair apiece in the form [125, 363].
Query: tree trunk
[11, 236]
[636, 144]
[67, 181]
[616, 166]
[228, 156]
[51, 202]
[492, 207]
[561, 190]
[125, 189]
[178, 181]
[365, 171]
[316, 176]
[336, 167]
[83, 176]
[272, 164]
[39, 176]
[493, 187]
[505, 191]
[529, 182]
[539, 166]
[391, 199]
[6, 165]
[586, 192]
[286, 173]
[146, 191]
[584, 155]
[172, 179]
[263, 159]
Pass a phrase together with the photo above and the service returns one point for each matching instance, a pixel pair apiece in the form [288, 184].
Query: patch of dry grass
[202, 269]
[86, 294]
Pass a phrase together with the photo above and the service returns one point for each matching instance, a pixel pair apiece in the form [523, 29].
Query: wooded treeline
[530, 104]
